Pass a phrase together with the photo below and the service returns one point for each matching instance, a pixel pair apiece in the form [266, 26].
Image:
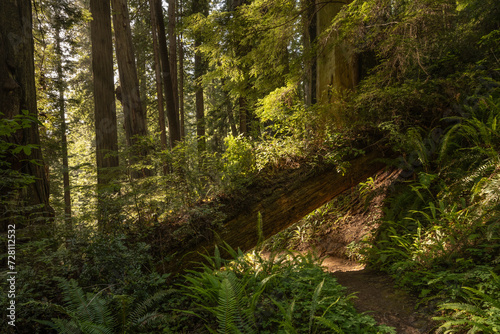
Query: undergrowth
[281, 294]
[440, 236]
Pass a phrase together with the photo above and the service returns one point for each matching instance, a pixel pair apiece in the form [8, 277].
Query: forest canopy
[134, 132]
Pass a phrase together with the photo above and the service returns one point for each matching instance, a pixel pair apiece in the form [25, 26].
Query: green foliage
[441, 229]
[476, 132]
[239, 160]
[14, 179]
[282, 108]
[115, 265]
[282, 294]
[88, 312]
[480, 314]
[422, 64]
[94, 313]
[252, 47]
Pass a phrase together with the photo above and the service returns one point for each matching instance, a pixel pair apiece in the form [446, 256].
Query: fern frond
[330, 324]
[151, 318]
[287, 312]
[141, 310]
[314, 304]
[227, 308]
[461, 307]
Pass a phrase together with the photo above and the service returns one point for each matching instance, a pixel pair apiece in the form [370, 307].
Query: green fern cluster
[94, 313]
[441, 231]
[480, 315]
[477, 131]
[282, 294]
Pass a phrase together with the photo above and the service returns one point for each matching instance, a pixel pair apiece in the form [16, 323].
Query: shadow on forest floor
[376, 295]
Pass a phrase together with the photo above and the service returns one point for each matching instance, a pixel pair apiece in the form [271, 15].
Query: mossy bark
[337, 64]
[282, 201]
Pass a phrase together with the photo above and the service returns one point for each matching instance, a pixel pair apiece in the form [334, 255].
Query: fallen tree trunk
[281, 202]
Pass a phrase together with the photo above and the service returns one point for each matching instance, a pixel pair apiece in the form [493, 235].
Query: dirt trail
[351, 219]
[377, 296]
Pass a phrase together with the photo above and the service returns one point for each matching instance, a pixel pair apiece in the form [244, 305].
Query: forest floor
[353, 219]
[377, 296]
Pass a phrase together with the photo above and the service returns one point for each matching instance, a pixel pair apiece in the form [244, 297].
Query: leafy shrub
[239, 160]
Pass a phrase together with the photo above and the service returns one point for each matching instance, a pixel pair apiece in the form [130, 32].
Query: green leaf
[27, 150]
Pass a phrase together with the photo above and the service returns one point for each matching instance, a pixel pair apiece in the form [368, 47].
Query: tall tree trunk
[200, 104]
[104, 107]
[172, 114]
[243, 116]
[180, 45]
[134, 117]
[337, 63]
[309, 20]
[142, 56]
[64, 141]
[199, 6]
[181, 88]
[18, 95]
[159, 86]
[172, 50]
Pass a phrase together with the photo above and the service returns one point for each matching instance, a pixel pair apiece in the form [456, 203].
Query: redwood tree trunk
[64, 141]
[104, 105]
[129, 92]
[135, 120]
[180, 76]
[200, 104]
[172, 49]
[181, 88]
[199, 6]
[159, 86]
[309, 20]
[18, 96]
[172, 114]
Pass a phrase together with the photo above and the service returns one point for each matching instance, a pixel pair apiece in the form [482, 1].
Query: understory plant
[287, 293]
[98, 312]
[441, 233]
[480, 313]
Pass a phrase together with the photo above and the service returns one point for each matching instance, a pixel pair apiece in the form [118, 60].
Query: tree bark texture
[337, 65]
[181, 89]
[104, 103]
[18, 95]
[134, 117]
[200, 104]
[64, 141]
[159, 86]
[310, 33]
[172, 114]
[172, 50]
[199, 6]
[282, 201]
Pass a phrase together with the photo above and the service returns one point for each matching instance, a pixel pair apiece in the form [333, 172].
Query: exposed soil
[376, 295]
[375, 292]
